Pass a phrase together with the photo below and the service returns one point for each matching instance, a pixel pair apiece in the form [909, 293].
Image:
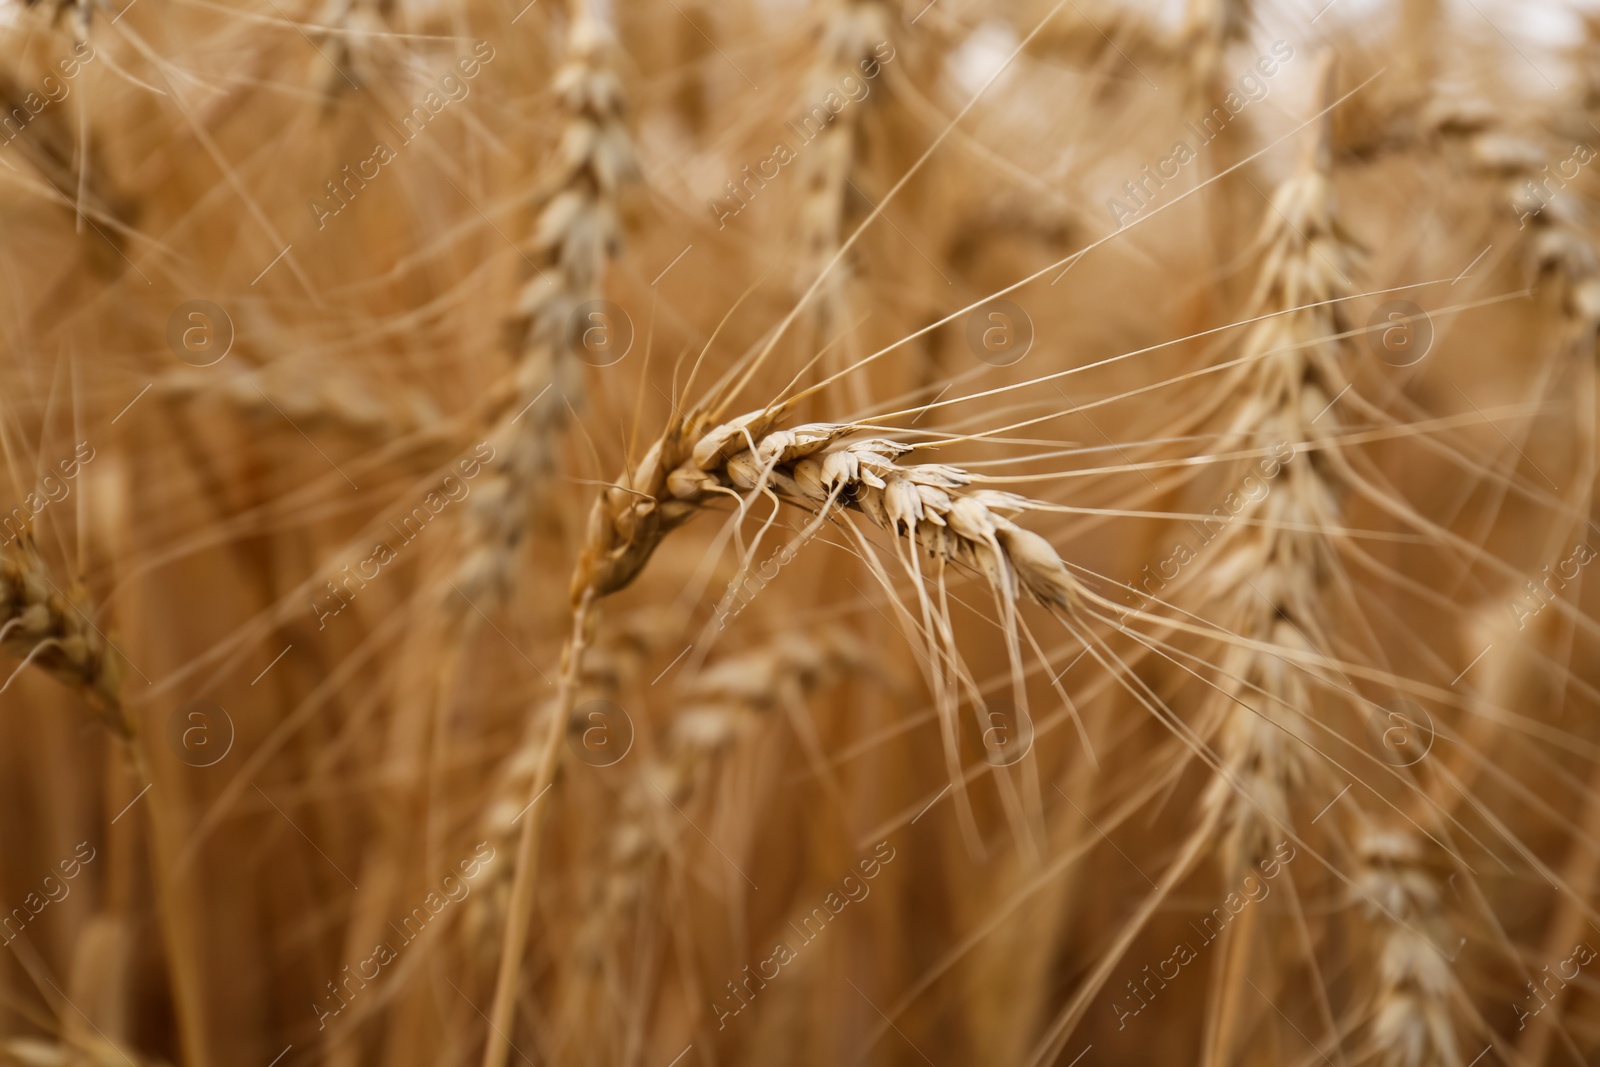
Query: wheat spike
[47, 628]
[577, 231]
[1270, 583]
[337, 401]
[812, 467]
[830, 164]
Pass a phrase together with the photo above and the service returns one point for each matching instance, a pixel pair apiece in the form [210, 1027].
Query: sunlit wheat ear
[813, 467]
[1271, 582]
[51, 631]
[926, 507]
[1417, 998]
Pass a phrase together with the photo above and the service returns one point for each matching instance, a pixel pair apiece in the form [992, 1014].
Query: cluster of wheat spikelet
[833, 531]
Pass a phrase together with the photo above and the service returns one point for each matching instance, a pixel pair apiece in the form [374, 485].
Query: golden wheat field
[673, 533]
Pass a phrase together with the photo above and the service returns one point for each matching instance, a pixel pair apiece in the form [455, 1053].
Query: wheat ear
[1270, 583]
[851, 30]
[577, 231]
[47, 628]
[811, 466]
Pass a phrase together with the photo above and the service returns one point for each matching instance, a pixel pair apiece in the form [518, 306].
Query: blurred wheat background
[799, 532]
